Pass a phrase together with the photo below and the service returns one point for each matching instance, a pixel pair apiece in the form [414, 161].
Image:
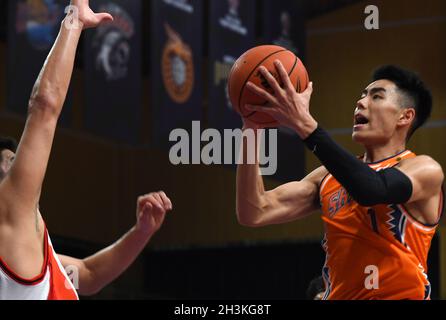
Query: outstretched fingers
[271, 80]
[262, 93]
[283, 74]
[268, 110]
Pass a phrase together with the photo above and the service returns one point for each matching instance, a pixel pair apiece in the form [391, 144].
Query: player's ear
[407, 117]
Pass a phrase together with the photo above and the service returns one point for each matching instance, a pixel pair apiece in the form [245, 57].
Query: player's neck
[377, 153]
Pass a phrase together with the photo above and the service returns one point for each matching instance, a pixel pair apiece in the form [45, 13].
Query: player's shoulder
[318, 175]
[423, 161]
[425, 166]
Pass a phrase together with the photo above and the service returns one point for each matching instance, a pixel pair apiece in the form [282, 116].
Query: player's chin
[360, 137]
[369, 137]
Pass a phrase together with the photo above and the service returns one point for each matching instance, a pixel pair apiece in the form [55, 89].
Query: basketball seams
[296, 61]
[229, 87]
[249, 76]
[298, 84]
[289, 74]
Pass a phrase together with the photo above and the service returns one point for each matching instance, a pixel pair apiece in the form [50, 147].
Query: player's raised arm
[257, 207]
[21, 189]
[99, 270]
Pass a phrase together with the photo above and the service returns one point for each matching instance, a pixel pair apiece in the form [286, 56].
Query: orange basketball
[246, 69]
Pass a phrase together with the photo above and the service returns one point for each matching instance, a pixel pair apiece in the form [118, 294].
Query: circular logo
[177, 68]
[39, 20]
[112, 43]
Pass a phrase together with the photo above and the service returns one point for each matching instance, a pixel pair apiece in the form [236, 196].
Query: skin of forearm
[250, 186]
[108, 264]
[54, 79]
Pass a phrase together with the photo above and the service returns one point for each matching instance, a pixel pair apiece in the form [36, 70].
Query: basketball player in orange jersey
[29, 267]
[380, 211]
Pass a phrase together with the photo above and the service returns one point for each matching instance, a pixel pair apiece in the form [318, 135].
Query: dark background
[201, 252]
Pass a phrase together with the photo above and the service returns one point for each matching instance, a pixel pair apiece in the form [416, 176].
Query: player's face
[7, 158]
[377, 113]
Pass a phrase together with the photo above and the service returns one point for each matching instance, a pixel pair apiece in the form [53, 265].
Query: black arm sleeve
[367, 186]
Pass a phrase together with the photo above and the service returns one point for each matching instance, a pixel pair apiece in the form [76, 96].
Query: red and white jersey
[51, 284]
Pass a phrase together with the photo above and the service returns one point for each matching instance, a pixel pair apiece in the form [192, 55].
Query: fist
[151, 212]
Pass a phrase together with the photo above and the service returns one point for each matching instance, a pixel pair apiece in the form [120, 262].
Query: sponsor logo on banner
[221, 73]
[111, 43]
[284, 39]
[177, 67]
[183, 5]
[39, 20]
[232, 19]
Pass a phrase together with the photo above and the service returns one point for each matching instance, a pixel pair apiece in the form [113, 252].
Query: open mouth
[361, 120]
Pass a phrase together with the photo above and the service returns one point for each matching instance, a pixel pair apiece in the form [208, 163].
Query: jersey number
[373, 219]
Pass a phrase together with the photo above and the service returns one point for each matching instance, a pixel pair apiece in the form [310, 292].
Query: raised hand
[151, 212]
[87, 18]
[290, 108]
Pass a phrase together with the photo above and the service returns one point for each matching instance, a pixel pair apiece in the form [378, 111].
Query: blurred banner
[318, 7]
[177, 51]
[33, 28]
[284, 25]
[113, 72]
[232, 32]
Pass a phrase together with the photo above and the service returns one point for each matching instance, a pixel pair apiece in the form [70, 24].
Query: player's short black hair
[7, 143]
[315, 287]
[411, 86]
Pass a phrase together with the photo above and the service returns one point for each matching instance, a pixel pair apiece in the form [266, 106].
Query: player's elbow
[87, 281]
[44, 105]
[248, 222]
[245, 216]
[249, 216]
[89, 286]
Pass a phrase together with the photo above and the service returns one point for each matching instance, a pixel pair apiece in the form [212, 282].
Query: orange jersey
[384, 240]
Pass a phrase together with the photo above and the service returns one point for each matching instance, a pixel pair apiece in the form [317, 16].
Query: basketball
[246, 68]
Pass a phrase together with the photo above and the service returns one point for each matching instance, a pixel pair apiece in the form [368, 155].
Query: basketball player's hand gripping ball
[265, 84]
